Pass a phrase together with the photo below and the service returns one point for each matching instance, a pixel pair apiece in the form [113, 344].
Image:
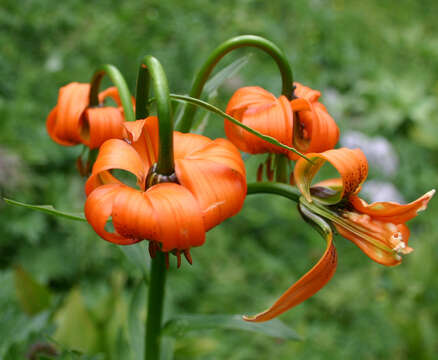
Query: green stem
[231, 44]
[282, 166]
[155, 307]
[119, 81]
[285, 190]
[151, 70]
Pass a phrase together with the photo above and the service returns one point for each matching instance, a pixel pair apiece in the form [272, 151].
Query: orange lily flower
[378, 229]
[302, 123]
[72, 122]
[210, 186]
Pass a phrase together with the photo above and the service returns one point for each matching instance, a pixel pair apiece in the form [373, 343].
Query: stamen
[178, 256]
[166, 257]
[188, 256]
[269, 171]
[152, 249]
[260, 173]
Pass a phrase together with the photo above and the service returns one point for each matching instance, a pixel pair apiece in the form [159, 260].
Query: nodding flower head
[73, 122]
[302, 123]
[174, 213]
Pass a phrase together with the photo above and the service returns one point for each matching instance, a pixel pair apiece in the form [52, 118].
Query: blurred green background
[376, 63]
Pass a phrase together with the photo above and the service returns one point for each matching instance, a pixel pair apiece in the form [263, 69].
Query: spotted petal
[352, 165]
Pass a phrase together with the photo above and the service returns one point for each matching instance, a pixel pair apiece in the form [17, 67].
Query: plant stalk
[152, 71]
[155, 306]
[119, 81]
[231, 44]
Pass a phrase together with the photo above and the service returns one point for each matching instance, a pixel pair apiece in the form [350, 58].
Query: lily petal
[382, 255]
[312, 281]
[51, 128]
[98, 209]
[178, 215]
[63, 124]
[219, 190]
[111, 92]
[100, 124]
[390, 211]
[143, 136]
[116, 154]
[352, 165]
[262, 111]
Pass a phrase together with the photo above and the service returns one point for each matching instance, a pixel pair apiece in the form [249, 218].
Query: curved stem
[155, 306]
[119, 81]
[231, 44]
[285, 190]
[151, 70]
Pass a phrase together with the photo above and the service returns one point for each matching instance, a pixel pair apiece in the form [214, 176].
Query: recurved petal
[263, 112]
[315, 130]
[143, 137]
[133, 215]
[351, 165]
[187, 144]
[98, 208]
[178, 215]
[249, 96]
[51, 128]
[219, 190]
[311, 282]
[111, 92]
[116, 154]
[390, 211]
[100, 124]
[72, 101]
[306, 92]
[220, 151]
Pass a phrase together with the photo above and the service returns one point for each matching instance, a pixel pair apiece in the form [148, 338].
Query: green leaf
[136, 321]
[49, 209]
[32, 296]
[167, 348]
[218, 79]
[182, 324]
[75, 328]
[138, 254]
[214, 109]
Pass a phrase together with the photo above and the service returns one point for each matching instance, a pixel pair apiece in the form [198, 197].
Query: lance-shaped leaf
[48, 209]
[182, 324]
[214, 109]
[311, 282]
[33, 296]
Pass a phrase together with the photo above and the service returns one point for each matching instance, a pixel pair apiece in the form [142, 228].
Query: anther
[260, 173]
[166, 257]
[178, 257]
[188, 256]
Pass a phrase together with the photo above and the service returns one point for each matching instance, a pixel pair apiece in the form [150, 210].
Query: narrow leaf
[48, 209]
[217, 80]
[32, 296]
[182, 324]
[75, 327]
[214, 109]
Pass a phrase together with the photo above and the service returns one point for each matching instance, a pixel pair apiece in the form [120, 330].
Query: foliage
[373, 61]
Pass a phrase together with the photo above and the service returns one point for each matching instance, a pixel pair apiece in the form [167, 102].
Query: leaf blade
[48, 209]
[182, 324]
